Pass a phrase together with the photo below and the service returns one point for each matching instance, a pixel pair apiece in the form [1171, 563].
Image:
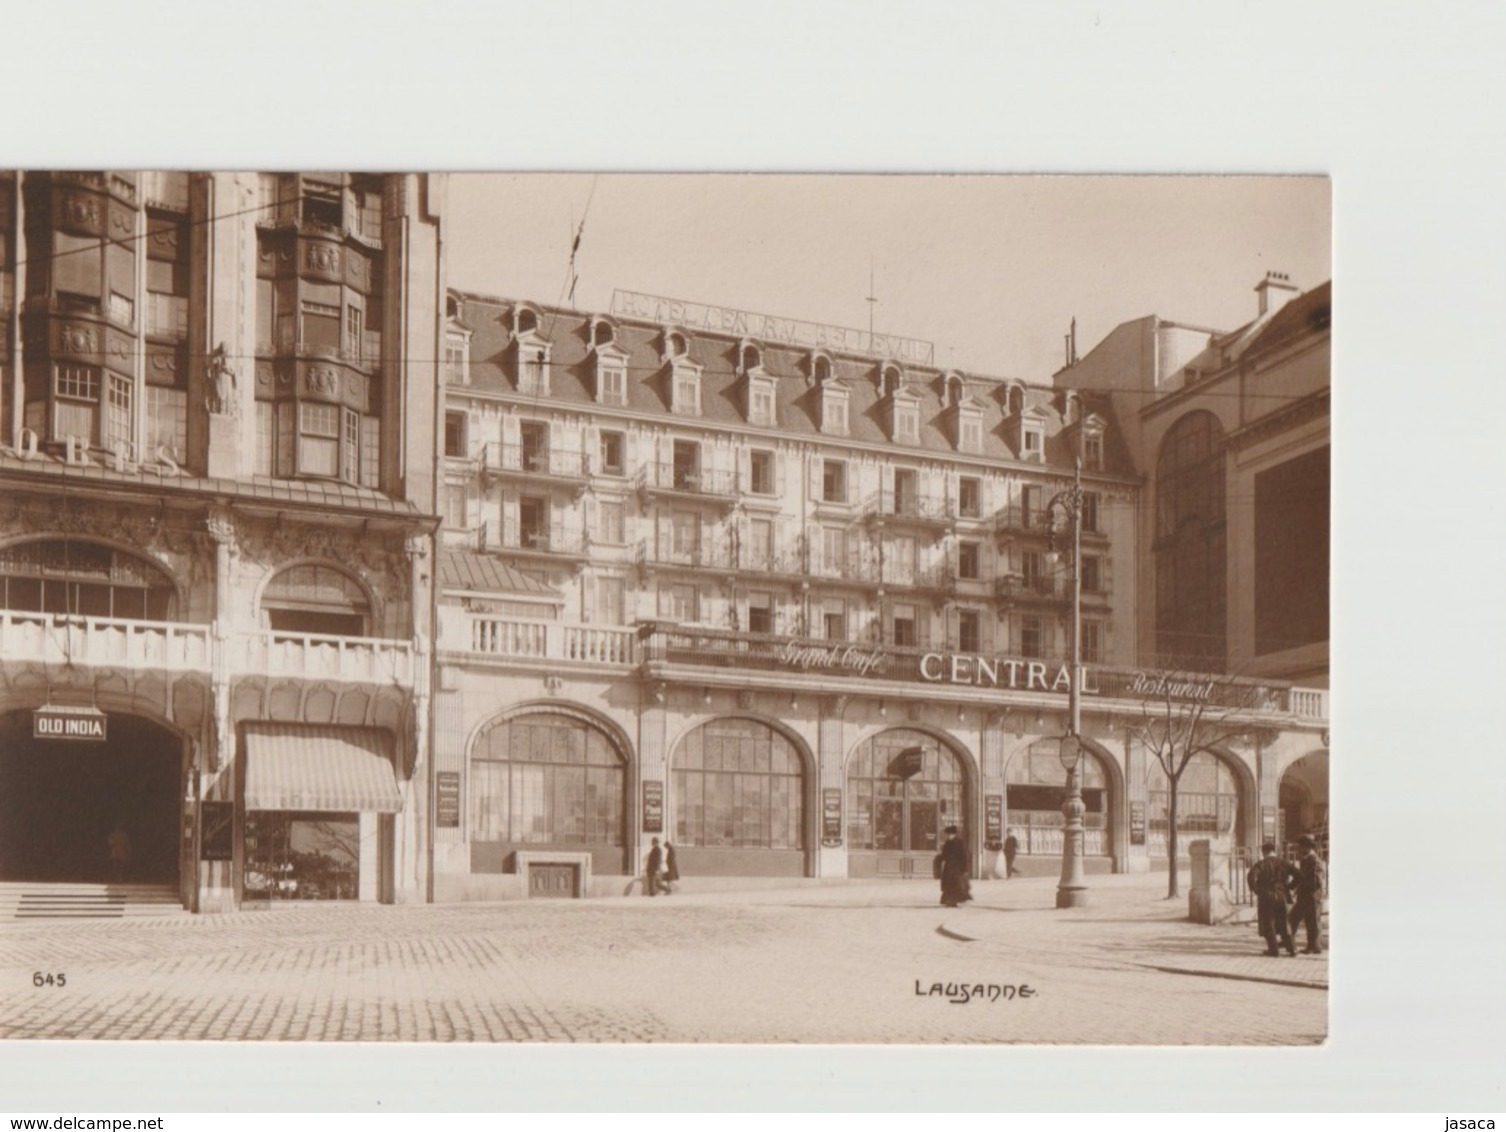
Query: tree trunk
[1171, 839]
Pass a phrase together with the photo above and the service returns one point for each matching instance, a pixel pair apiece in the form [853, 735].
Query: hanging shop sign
[72, 723]
[831, 817]
[906, 764]
[447, 799]
[993, 821]
[217, 839]
[1137, 823]
[653, 807]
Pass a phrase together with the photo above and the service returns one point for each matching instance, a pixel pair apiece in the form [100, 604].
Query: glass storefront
[738, 784]
[1207, 805]
[903, 789]
[1037, 787]
[301, 856]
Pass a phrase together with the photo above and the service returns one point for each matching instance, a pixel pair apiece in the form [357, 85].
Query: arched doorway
[1210, 805]
[1036, 787]
[904, 786]
[547, 779]
[62, 802]
[1304, 798]
[737, 801]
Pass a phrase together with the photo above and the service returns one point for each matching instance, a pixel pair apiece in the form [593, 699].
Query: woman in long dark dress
[955, 888]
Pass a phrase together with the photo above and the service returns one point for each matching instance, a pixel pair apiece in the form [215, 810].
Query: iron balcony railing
[550, 538]
[713, 482]
[530, 461]
[710, 555]
[926, 509]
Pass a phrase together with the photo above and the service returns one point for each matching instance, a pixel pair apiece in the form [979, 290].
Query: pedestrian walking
[671, 869]
[119, 846]
[952, 870]
[1312, 880]
[652, 869]
[1011, 849]
[1271, 879]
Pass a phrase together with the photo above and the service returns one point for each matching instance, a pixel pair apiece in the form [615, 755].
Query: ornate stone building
[218, 403]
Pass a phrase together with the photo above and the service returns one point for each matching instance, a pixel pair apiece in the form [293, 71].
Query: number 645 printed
[48, 979]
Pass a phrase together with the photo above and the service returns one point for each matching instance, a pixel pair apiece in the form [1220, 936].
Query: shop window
[547, 780]
[314, 598]
[738, 784]
[301, 856]
[887, 813]
[1036, 786]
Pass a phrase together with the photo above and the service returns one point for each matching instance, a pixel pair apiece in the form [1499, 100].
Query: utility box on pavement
[1208, 902]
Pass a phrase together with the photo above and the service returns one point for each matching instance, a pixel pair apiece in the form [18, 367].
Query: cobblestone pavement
[843, 964]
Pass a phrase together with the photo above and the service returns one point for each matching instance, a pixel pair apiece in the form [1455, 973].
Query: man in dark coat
[1270, 879]
[1011, 850]
[671, 868]
[954, 870]
[652, 869]
[1312, 879]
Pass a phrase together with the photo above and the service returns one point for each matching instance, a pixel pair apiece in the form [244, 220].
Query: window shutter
[592, 514]
[814, 548]
[666, 605]
[1106, 572]
[587, 599]
[744, 470]
[510, 430]
[665, 524]
[816, 469]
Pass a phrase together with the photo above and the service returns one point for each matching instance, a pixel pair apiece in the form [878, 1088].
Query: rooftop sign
[769, 328]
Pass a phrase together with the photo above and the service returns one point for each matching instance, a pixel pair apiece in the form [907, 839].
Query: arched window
[312, 598]
[84, 579]
[1189, 545]
[549, 779]
[903, 788]
[738, 784]
[1207, 804]
[1036, 787]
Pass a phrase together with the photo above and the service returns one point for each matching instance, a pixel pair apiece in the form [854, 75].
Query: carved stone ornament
[222, 384]
[744, 699]
[322, 257]
[221, 528]
[324, 381]
[76, 339]
[80, 210]
[553, 684]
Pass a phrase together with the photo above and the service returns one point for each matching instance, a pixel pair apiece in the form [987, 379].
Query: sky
[991, 269]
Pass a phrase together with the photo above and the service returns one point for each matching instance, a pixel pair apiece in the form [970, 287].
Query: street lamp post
[1072, 891]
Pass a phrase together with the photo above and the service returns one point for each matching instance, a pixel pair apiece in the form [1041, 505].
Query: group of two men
[1273, 880]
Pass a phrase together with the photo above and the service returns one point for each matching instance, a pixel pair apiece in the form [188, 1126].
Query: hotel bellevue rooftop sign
[769, 328]
[704, 647]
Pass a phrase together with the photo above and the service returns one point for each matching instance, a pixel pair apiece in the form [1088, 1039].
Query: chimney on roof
[1275, 291]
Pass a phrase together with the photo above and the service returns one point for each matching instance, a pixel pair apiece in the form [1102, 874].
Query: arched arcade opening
[76, 811]
[904, 787]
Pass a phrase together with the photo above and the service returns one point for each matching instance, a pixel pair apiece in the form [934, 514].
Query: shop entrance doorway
[904, 788]
[73, 811]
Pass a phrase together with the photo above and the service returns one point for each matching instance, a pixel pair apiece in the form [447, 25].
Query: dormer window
[821, 369]
[904, 416]
[611, 364]
[676, 345]
[891, 380]
[533, 372]
[1092, 442]
[749, 357]
[834, 409]
[1032, 436]
[967, 420]
[953, 390]
[685, 387]
[457, 357]
[527, 321]
[761, 401]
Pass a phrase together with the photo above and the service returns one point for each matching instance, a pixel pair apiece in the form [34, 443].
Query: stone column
[412, 837]
[217, 878]
[653, 765]
[1136, 801]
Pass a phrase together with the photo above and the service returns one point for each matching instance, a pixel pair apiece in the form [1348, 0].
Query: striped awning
[293, 766]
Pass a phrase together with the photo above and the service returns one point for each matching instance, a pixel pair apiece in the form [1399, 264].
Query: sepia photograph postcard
[660, 608]
[719, 557]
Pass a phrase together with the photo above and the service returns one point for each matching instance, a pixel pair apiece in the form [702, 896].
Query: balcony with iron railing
[682, 482]
[935, 579]
[544, 540]
[891, 508]
[708, 554]
[1018, 520]
[779, 561]
[572, 469]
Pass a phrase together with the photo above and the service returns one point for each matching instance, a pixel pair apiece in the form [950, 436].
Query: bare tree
[1184, 714]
